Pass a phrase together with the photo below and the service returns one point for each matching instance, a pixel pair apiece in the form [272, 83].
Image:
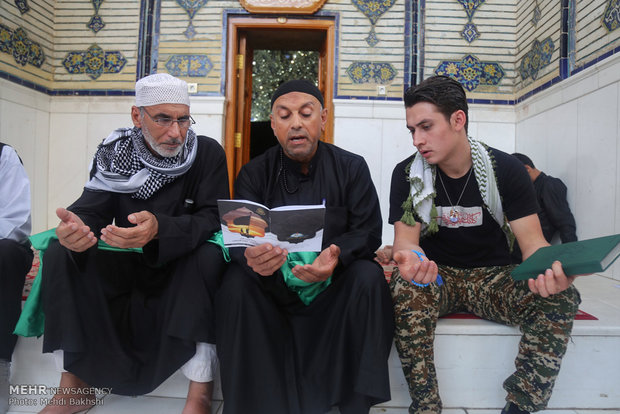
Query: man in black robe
[126, 319]
[555, 215]
[277, 354]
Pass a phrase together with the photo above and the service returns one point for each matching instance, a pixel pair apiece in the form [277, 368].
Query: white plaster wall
[572, 131]
[24, 124]
[56, 138]
[79, 124]
[377, 131]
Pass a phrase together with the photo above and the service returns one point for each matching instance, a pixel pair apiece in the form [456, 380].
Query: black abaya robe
[278, 355]
[129, 320]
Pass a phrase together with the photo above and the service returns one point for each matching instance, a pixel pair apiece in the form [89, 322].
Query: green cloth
[218, 239]
[32, 319]
[307, 291]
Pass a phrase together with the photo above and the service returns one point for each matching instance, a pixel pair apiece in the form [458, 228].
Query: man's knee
[210, 257]
[563, 305]
[238, 281]
[366, 276]
[54, 253]
[15, 258]
[207, 263]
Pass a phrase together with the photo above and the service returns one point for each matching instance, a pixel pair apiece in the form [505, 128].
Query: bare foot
[70, 400]
[199, 397]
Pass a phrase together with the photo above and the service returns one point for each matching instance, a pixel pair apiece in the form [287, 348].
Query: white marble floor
[115, 404]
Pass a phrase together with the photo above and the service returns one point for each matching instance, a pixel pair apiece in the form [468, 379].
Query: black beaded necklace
[282, 171]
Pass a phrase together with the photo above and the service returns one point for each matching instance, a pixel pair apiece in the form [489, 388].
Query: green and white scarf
[420, 207]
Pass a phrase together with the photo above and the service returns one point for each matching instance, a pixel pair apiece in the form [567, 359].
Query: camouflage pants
[488, 292]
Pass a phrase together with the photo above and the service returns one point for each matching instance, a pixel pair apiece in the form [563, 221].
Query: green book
[578, 257]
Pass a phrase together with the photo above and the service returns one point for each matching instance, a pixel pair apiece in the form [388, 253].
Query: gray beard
[154, 146]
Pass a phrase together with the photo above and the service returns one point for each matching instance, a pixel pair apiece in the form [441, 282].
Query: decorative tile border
[16, 43]
[189, 65]
[22, 6]
[471, 72]
[470, 7]
[96, 22]
[611, 17]
[191, 7]
[536, 14]
[410, 67]
[371, 72]
[373, 9]
[537, 58]
[94, 62]
[470, 31]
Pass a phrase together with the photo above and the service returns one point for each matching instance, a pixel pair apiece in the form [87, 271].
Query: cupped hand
[145, 230]
[321, 268]
[72, 233]
[411, 268]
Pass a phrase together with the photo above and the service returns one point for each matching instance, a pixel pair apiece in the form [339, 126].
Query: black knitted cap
[297, 85]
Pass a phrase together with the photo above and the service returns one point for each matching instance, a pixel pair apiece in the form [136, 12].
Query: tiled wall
[597, 29]
[474, 42]
[503, 51]
[539, 25]
[194, 48]
[27, 40]
[96, 44]
[371, 45]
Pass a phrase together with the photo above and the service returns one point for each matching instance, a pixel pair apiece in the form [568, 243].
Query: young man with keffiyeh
[456, 206]
[127, 286]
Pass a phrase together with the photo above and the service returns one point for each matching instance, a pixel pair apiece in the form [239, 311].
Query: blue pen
[439, 279]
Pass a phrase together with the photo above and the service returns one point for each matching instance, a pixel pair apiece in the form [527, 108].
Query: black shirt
[477, 240]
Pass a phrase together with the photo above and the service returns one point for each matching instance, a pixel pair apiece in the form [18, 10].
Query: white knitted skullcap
[161, 88]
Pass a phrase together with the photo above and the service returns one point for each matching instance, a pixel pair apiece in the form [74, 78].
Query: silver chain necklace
[454, 214]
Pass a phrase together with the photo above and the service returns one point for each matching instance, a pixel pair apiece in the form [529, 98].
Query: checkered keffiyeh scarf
[124, 164]
[420, 207]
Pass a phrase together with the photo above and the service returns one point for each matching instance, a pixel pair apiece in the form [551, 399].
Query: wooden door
[246, 34]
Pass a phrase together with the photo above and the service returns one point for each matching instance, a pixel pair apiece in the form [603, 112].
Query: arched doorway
[245, 35]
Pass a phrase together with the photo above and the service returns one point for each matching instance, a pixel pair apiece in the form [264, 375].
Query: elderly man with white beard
[126, 296]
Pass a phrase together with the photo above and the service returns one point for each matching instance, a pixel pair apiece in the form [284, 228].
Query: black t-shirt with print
[476, 240]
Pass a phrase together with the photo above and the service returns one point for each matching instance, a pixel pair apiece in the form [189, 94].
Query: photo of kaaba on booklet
[297, 228]
[577, 258]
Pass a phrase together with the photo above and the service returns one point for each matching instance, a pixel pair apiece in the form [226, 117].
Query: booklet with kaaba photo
[297, 228]
[577, 258]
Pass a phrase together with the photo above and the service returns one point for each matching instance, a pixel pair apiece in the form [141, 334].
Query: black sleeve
[95, 208]
[247, 187]
[364, 223]
[557, 209]
[180, 234]
[399, 190]
[515, 186]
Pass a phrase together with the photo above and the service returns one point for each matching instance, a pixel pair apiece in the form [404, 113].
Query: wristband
[439, 279]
